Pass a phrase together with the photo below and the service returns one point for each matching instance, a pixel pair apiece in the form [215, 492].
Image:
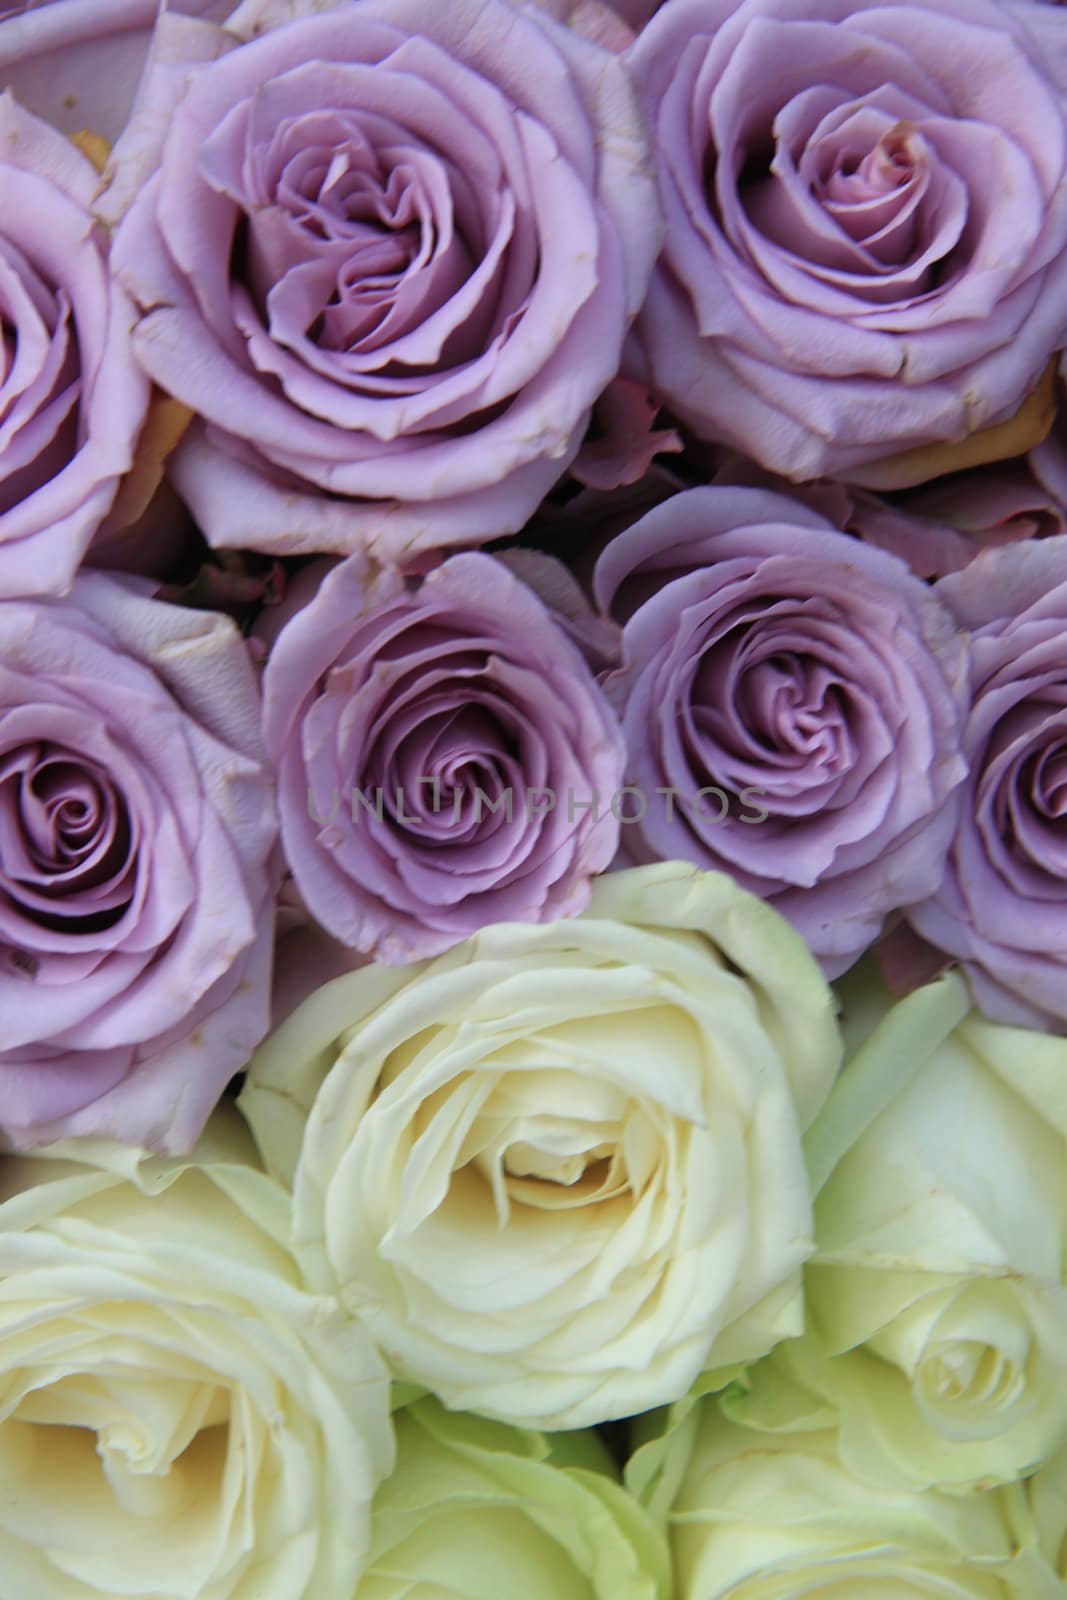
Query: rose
[76, 63]
[622, 443]
[1048, 460]
[636, 12]
[241, 1425]
[866, 227]
[473, 1507]
[1002, 905]
[810, 685]
[560, 589]
[938, 1283]
[773, 1512]
[558, 1170]
[935, 529]
[593, 19]
[1047, 1497]
[390, 255]
[583, 520]
[992, 505]
[433, 739]
[942, 527]
[136, 827]
[71, 396]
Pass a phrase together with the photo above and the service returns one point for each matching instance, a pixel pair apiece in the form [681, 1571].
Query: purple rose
[72, 397]
[1002, 906]
[635, 12]
[622, 441]
[997, 504]
[866, 208]
[936, 529]
[390, 256]
[1047, 461]
[136, 827]
[792, 702]
[445, 758]
[593, 19]
[77, 63]
[941, 527]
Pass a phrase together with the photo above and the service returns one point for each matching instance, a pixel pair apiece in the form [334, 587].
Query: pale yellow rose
[776, 1514]
[475, 1510]
[558, 1170]
[178, 1417]
[1046, 1494]
[938, 1283]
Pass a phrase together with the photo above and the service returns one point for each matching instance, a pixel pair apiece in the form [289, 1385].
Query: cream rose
[558, 1170]
[178, 1417]
[775, 1513]
[476, 1509]
[1046, 1494]
[938, 1284]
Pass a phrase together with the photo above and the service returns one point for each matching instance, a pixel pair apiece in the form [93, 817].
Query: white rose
[938, 1283]
[776, 1513]
[558, 1169]
[1046, 1494]
[179, 1417]
[477, 1509]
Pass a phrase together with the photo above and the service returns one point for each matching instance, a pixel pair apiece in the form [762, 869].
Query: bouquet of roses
[533, 800]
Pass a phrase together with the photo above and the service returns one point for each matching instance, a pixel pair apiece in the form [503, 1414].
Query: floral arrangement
[533, 800]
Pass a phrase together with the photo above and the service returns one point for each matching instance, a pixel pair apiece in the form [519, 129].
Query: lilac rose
[935, 529]
[390, 255]
[77, 63]
[1047, 461]
[445, 757]
[941, 527]
[72, 397]
[593, 19]
[136, 834]
[623, 440]
[1002, 906]
[866, 207]
[634, 13]
[792, 702]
